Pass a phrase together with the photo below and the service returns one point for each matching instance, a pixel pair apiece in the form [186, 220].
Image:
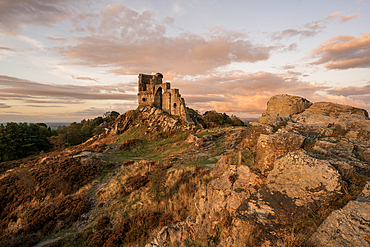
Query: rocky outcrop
[177, 233]
[270, 147]
[348, 226]
[328, 114]
[286, 105]
[336, 110]
[220, 198]
[304, 156]
[253, 133]
[296, 185]
[154, 119]
[354, 130]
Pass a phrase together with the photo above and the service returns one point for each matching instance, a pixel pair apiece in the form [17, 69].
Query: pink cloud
[37, 93]
[344, 18]
[344, 52]
[237, 92]
[333, 15]
[130, 42]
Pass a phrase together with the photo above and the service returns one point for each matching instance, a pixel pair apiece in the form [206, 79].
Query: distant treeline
[21, 140]
[212, 119]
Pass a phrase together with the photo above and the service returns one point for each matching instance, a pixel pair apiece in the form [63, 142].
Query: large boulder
[297, 185]
[253, 133]
[348, 226]
[286, 105]
[220, 198]
[270, 147]
[354, 130]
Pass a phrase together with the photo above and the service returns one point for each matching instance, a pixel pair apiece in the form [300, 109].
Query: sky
[68, 60]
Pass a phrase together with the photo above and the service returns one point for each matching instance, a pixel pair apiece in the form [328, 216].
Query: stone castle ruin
[153, 92]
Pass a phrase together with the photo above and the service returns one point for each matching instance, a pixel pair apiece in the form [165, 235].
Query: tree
[21, 140]
[110, 116]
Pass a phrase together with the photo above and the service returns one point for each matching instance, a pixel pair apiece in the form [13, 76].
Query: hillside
[299, 176]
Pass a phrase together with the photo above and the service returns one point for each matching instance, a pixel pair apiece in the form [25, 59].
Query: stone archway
[158, 98]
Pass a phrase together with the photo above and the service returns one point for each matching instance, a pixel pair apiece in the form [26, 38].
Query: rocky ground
[297, 177]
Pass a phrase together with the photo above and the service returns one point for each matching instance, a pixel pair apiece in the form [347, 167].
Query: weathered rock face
[365, 155]
[253, 133]
[348, 226]
[173, 234]
[152, 118]
[328, 114]
[335, 110]
[286, 105]
[220, 198]
[269, 147]
[341, 148]
[347, 121]
[272, 120]
[296, 185]
[358, 129]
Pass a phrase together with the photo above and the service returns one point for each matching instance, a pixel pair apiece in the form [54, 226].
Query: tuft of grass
[279, 126]
[199, 162]
[201, 134]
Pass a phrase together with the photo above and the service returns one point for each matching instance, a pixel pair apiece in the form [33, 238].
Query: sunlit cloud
[84, 78]
[333, 15]
[344, 52]
[130, 42]
[240, 92]
[2, 105]
[34, 92]
[344, 18]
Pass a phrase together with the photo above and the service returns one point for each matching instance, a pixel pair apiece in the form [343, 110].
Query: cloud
[288, 66]
[44, 106]
[93, 111]
[169, 21]
[130, 42]
[344, 18]
[14, 15]
[2, 105]
[312, 28]
[344, 52]
[357, 93]
[287, 33]
[84, 78]
[241, 93]
[7, 49]
[333, 15]
[28, 91]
